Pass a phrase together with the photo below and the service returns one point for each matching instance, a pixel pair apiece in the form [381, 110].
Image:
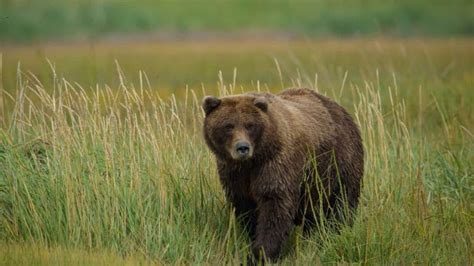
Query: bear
[283, 160]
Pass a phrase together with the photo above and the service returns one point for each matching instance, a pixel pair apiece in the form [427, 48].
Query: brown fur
[278, 186]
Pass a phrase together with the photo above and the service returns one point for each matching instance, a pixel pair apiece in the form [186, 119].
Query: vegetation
[20, 254]
[122, 174]
[28, 20]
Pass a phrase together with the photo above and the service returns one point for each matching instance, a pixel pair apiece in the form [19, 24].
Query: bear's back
[306, 101]
[319, 107]
[305, 115]
[325, 121]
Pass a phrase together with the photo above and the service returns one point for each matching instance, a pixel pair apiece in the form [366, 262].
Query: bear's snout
[242, 147]
[242, 150]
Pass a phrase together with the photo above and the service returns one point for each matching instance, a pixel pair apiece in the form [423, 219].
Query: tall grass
[127, 172]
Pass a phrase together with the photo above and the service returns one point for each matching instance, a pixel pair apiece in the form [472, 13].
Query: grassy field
[120, 173]
[29, 20]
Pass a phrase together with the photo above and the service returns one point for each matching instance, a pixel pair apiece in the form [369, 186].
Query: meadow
[29, 20]
[102, 158]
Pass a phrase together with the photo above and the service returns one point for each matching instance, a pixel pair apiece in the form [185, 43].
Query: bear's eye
[250, 127]
[228, 128]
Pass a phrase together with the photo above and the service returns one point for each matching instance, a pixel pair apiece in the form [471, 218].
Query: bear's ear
[210, 103]
[261, 103]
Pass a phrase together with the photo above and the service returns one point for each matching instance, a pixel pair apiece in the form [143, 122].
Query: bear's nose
[242, 148]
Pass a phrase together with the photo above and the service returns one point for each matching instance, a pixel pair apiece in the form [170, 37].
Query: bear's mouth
[239, 157]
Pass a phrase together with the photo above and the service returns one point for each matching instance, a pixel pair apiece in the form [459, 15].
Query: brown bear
[284, 159]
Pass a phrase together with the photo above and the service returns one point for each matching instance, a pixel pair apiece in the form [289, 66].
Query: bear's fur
[302, 154]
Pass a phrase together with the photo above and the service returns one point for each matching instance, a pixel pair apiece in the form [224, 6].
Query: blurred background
[272, 43]
[32, 20]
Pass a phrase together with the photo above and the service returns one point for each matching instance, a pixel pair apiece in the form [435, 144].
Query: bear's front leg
[275, 220]
[245, 213]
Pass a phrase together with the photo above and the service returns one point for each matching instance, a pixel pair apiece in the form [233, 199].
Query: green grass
[122, 172]
[29, 20]
[25, 254]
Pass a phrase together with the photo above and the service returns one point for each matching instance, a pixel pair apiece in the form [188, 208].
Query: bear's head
[236, 128]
